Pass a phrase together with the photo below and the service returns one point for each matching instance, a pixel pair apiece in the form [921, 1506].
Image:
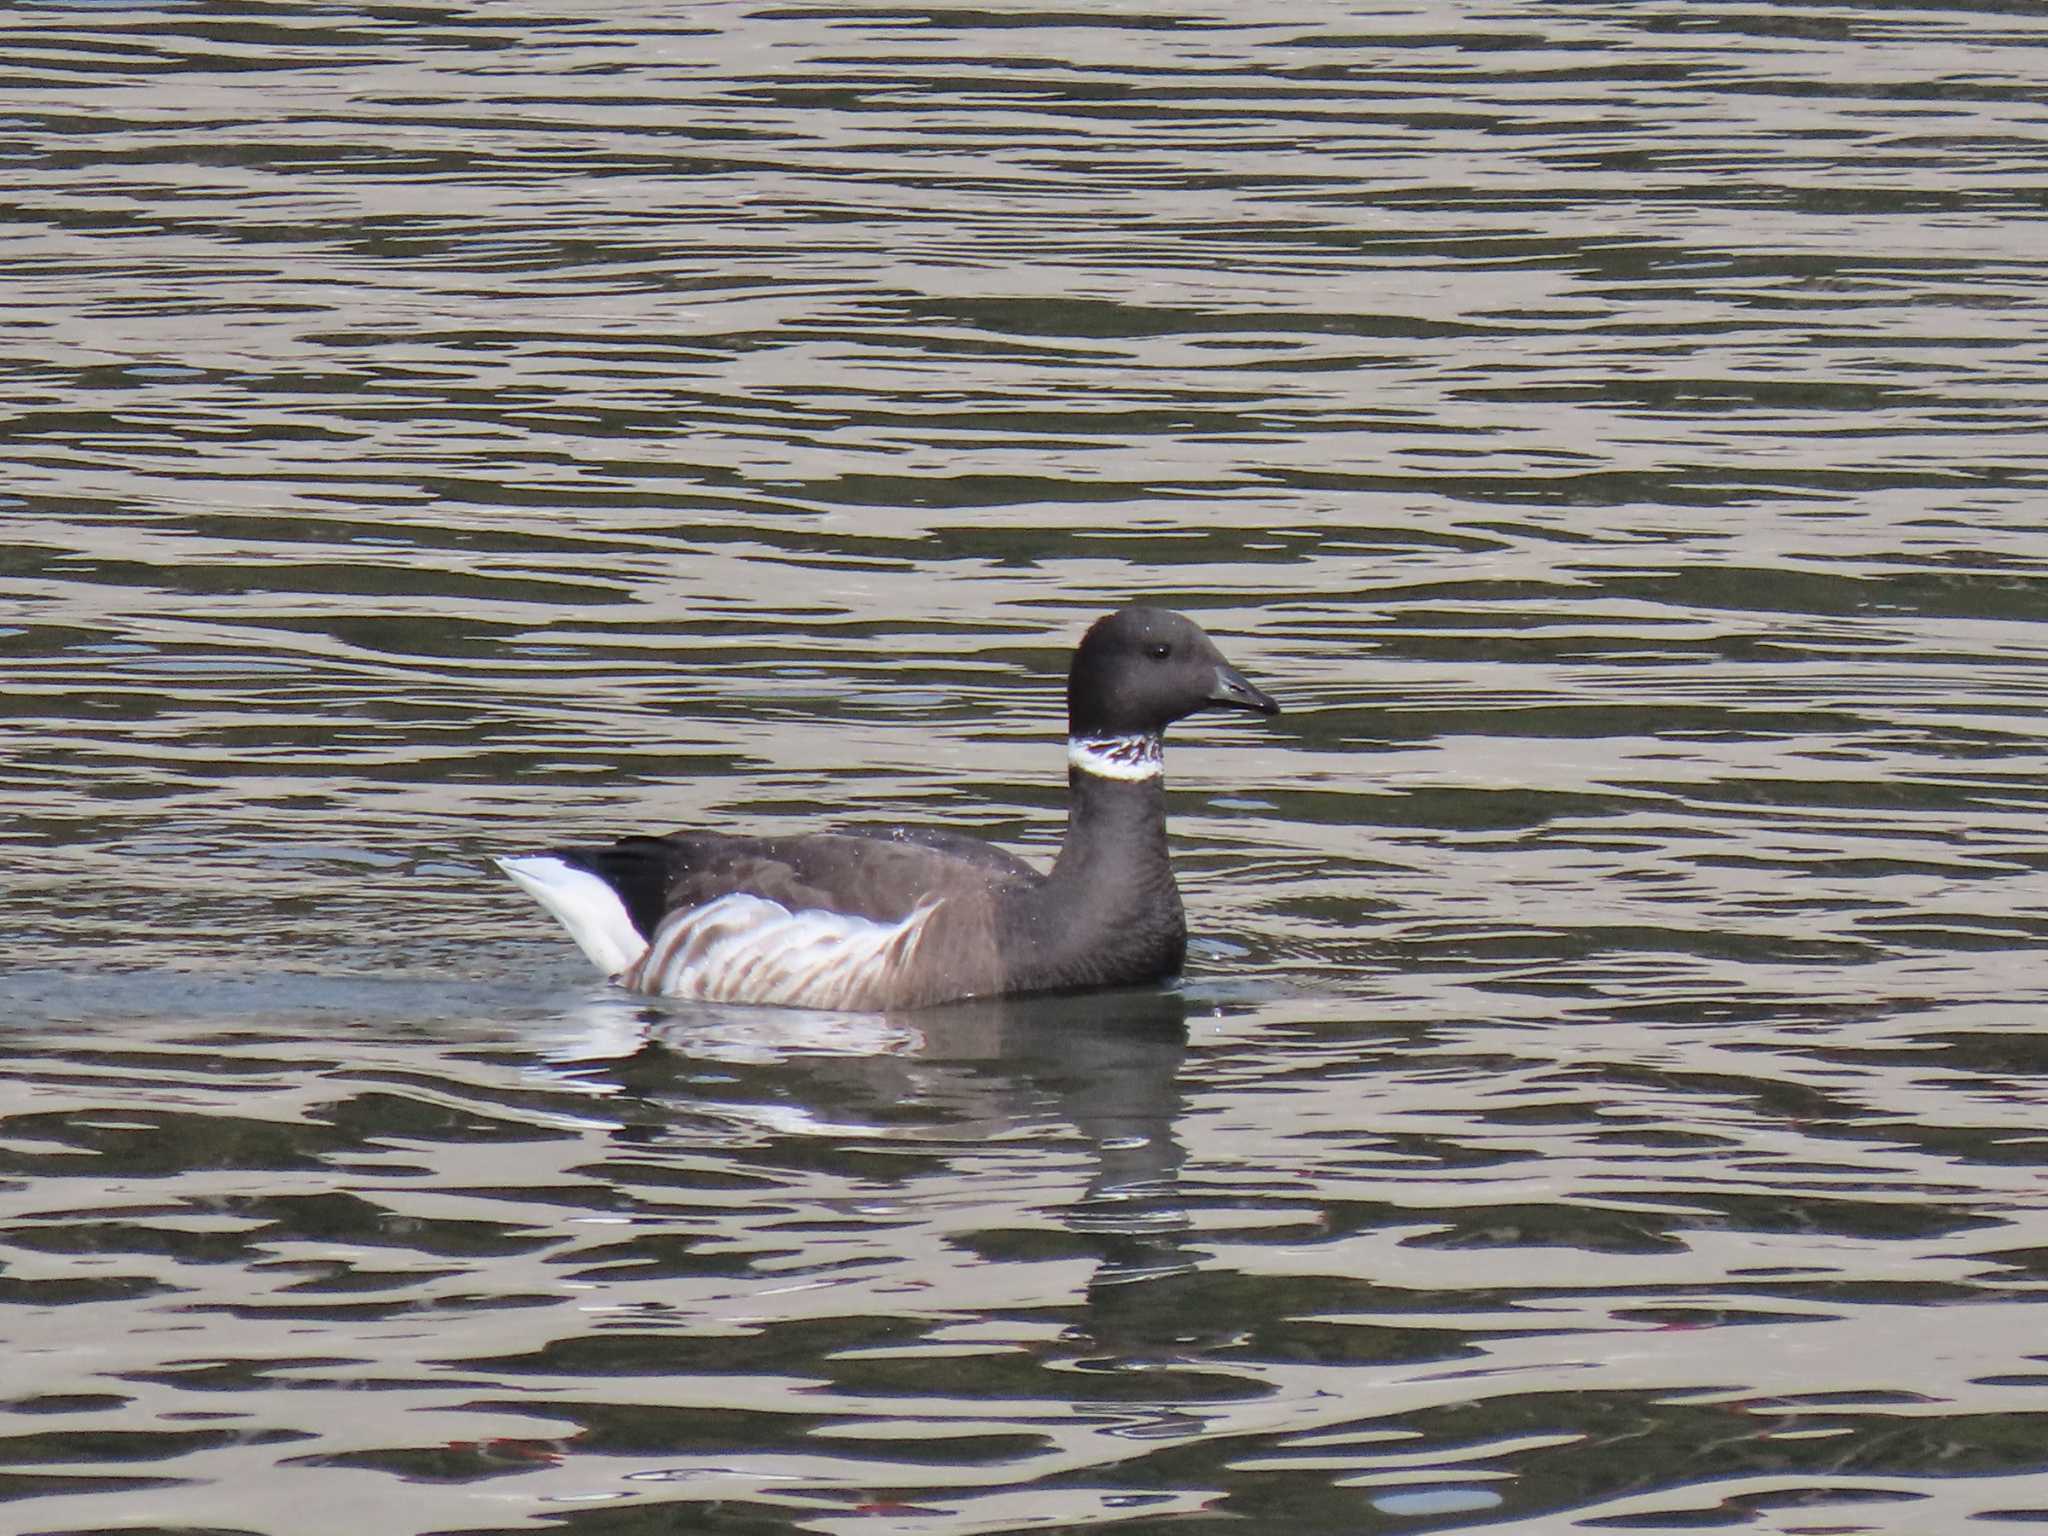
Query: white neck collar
[1130, 758]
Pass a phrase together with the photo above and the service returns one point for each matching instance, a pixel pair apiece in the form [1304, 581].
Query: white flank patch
[1130, 758]
[747, 949]
[583, 904]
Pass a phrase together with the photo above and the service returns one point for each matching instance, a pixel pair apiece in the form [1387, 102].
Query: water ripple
[1611, 1023]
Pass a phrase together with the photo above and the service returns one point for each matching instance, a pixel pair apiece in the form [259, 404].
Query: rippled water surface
[1607, 1093]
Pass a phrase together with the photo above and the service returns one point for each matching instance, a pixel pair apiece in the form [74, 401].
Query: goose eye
[1158, 651]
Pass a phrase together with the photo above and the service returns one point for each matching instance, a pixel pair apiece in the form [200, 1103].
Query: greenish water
[1606, 1092]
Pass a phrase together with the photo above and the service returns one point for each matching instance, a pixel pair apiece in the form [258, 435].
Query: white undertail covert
[737, 948]
[590, 909]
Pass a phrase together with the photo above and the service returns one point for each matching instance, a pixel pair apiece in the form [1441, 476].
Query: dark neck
[1116, 835]
[1109, 914]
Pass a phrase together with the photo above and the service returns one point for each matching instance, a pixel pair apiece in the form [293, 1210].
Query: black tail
[641, 869]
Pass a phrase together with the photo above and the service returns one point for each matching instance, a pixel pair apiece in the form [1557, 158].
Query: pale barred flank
[1130, 758]
[747, 949]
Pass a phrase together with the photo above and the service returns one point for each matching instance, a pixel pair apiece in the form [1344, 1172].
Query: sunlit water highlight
[1606, 1094]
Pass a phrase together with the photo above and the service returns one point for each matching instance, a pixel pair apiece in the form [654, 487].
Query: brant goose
[904, 917]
